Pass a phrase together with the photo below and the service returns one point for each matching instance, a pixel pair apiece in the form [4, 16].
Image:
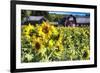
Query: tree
[25, 13]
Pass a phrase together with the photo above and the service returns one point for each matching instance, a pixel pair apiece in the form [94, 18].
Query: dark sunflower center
[45, 29]
[37, 45]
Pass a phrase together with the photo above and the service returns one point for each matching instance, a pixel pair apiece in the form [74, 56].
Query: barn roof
[81, 19]
[32, 18]
[35, 18]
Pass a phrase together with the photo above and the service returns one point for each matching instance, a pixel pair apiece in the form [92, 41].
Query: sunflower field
[45, 43]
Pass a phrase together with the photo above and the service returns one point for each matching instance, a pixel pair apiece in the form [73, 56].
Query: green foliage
[48, 43]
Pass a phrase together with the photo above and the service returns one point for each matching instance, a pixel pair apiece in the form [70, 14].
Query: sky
[68, 13]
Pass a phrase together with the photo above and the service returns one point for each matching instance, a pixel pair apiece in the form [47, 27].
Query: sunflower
[51, 43]
[27, 30]
[44, 30]
[54, 30]
[58, 49]
[38, 46]
[85, 54]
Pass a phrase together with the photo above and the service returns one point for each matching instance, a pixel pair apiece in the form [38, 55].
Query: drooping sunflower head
[86, 54]
[58, 49]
